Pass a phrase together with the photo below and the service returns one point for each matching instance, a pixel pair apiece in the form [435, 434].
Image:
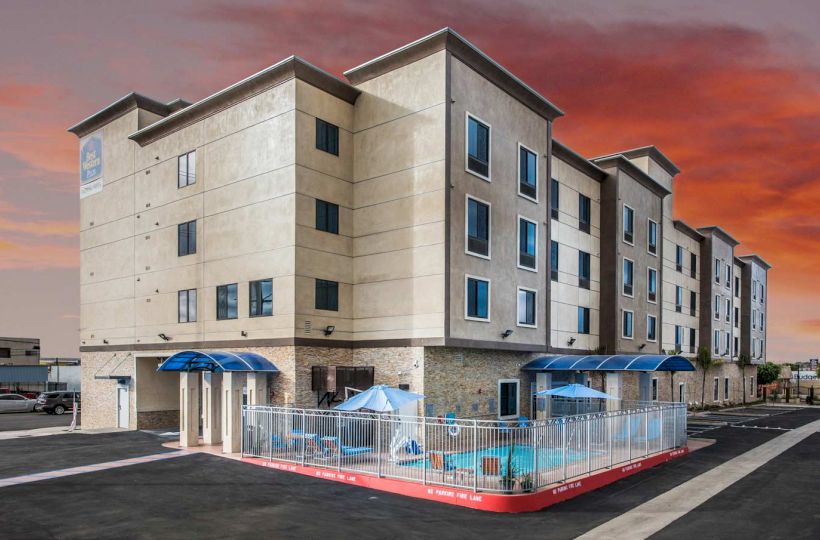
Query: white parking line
[60, 473]
[653, 515]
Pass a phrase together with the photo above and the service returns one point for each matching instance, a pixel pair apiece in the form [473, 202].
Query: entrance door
[122, 407]
[644, 383]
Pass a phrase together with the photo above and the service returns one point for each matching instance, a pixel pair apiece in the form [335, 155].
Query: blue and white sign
[91, 165]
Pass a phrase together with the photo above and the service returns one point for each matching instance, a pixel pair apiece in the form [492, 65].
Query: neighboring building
[681, 286]
[397, 228]
[754, 288]
[19, 351]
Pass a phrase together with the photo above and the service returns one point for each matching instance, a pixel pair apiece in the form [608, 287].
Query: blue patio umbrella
[379, 398]
[577, 391]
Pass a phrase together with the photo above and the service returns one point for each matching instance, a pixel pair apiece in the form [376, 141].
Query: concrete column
[232, 383]
[211, 407]
[257, 388]
[188, 409]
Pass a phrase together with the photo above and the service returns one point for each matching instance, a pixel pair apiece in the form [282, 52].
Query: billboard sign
[91, 164]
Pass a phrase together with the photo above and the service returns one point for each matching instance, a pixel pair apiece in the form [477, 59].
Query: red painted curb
[490, 502]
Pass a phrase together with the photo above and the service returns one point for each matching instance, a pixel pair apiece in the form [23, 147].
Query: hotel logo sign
[91, 165]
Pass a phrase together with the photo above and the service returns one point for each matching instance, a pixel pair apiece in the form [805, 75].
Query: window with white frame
[629, 225]
[728, 282]
[726, 388]
[527, 173]
[628, 276]
[717, 271]
[717, 307]
[477, 227]
[186, 169]
[652, 237]
[508, 398]
[651, 328]
[728, 344]
[583, 320]
[527, 244]
[476, 299]
[716, 344]
[187, 306]
[754, 289]
[754, 319]
[627, 326]
[682, 392]
[678, 337]
[728, 313]
[652, 285]
[654, 389]
[526, 307]
[679, 258]
[716, 389]
[678, 298]
[478, 147]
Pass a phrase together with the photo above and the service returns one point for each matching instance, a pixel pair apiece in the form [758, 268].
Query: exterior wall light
[507, 333]
[164, 337]
[329, 329]
[571, 341]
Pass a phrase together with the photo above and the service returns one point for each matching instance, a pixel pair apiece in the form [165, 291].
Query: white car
[16, 403]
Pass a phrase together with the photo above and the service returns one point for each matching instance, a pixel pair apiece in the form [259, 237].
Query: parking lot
[33, 420]
[203, 496]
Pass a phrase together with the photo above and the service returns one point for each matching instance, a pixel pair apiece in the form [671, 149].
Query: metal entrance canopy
[218, 362]
[603, 362]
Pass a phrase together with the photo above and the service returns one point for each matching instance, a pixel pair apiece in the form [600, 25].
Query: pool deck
[490, 502]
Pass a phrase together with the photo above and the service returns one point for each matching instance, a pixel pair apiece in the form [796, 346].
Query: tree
[705, 361]
[742, 362]
[768, 373]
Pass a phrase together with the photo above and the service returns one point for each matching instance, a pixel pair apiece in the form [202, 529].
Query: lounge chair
[334, 448]
[490, 466]
[314, 446]
[440, 463]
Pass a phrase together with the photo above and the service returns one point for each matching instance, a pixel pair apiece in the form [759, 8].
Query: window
[554, 198]
[553, 260]
[727, 351]
[327, 295]
[737, 317]
[692, 339]
[478, 228]
[728, 282]
[652, 238]
[728, 310]
[754, 319]
[527, 244]
[508, 398]
[261, 298]
[651, 328]
[726, 388]
[679, 258]
[681, 392]
[717, 307]
[187, 306]
[716, 344]
[693, 261]
[761, 320]
[737, 286]
[626, 324]
[678, 298]
[583, 269]
[186, 169]
[762, 293]
[716, 389]
[717, 271]
[752, 388]
[527, 173]
[693, 303]
[628, 266]
[526, 307]
[327, 216]
[736, 347]
[226, 302]
[477, 299]
[754, 290]
[5, 352]
[478, 147]
[186, 238]
[584, 213]
[327, 137]
[629, 225]
[678, 338]
[652, 285]
[654, 389]
[583, 320]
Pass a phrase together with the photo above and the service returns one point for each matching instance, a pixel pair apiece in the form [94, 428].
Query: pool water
[523, 458]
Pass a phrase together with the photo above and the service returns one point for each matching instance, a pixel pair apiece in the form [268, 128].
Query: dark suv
[56, 402]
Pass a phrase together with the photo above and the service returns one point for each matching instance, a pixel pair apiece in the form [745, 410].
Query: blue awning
[217, 362]
[604, 362]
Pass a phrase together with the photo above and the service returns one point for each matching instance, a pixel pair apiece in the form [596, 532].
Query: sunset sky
[729, 90]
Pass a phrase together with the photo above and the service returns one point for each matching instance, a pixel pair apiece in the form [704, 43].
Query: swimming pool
[523, 458]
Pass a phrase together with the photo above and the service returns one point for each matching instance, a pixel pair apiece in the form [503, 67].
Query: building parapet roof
[620, 161]
[686, 229]
[718, 231]
[448, 39]
[125, 105]
[565, 153]
[292, 67]
[756, 259]
[654, 153]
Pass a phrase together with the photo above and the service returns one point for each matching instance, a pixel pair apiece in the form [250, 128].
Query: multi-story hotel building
[415, 225]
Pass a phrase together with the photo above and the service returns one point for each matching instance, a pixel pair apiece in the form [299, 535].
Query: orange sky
[729, 91]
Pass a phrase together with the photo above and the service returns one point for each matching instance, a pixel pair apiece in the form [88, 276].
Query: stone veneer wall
[99, 396]
[158, 419]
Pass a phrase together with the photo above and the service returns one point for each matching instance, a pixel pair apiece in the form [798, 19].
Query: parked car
[16, 403]
[56, 402]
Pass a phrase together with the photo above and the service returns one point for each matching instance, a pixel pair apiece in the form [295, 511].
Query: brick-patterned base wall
[99, 405]
[158, 419]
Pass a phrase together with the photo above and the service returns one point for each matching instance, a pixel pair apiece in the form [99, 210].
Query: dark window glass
[554, 199]
[678, 337]
[737, 317]
[583, 269]
[693, 262]
[226, 302]
[679, 258]
[526, 307]
[528, 173]
[478, 227]
[526, 243]
[327, 137]
[186, 169]
[5, 352]
[478, 147]
[508, 399]
[627, 324]
[186, 238]
[583, 320]
[629, 224]
[651, 328]
[261, 298]
[628, 278]
[553, 260]
[186, 301]
[652, 285]
[327, 216]
[691, 340]
[584, 213]
[478, 298]
[652, 241]
[693, 303]
[678, 299]
[327, 295]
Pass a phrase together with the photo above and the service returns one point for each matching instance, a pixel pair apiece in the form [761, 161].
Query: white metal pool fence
[480, 455]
